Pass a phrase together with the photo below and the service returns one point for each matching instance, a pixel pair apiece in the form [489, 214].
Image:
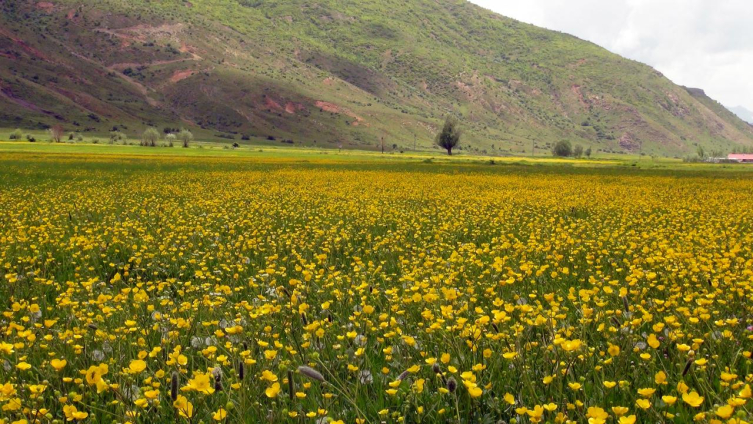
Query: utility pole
[382, 144]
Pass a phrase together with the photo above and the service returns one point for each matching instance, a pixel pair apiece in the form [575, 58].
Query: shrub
[562, 148]
[30, 138]
[16, 135]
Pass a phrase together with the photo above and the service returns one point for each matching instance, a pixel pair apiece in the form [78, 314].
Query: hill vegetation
[345, 74]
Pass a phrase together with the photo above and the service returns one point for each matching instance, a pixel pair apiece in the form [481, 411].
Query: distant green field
[220, 150]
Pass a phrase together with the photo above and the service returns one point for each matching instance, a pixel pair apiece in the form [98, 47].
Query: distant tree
[56, 133]
[16, 135]
[701, 153]
[449, 138]
[149, 137]
[578, 151]
[185, 137]
[562, 148]
[171, 138]
[588, 152]
[30, 138]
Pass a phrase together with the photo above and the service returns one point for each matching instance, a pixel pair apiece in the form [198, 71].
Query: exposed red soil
[27, 48]
[45, 6]
[292, 108]
[271, 104]
[333, 108]
[181, 75]
[576, 90]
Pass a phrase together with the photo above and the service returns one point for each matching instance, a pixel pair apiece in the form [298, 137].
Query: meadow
[316, 289]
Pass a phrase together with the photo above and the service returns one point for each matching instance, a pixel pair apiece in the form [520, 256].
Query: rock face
[337, 73]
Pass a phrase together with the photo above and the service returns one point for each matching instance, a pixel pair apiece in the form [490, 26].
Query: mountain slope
[339, 73]
[742, 113]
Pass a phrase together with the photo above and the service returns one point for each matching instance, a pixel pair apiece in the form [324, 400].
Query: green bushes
[562, 149]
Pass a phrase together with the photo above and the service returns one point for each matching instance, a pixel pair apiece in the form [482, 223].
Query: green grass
[302, 154]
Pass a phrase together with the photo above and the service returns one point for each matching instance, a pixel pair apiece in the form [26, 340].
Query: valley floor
[304, 286]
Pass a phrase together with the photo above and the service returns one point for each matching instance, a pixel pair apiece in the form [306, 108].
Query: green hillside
[339, 73]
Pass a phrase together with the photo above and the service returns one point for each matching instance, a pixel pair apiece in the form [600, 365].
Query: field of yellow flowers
[162, 290]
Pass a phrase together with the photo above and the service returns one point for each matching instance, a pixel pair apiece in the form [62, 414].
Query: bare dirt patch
[271, 104]
[292, 108]
[45, 6]
[333, 108]
[181, 75]
[25, 47]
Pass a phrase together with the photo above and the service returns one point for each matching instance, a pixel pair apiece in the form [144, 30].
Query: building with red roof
[741, 157]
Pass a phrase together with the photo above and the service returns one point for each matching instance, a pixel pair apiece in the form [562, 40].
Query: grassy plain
[193, 286]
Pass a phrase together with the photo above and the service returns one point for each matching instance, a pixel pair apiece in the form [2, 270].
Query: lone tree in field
[563, 149]
[449, 138]
[150, 137]
[578, 151]
[56, 133]
[185, 137]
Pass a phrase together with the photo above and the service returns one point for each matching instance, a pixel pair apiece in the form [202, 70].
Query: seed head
[311, 373]
[174, 387]
[291, 385]
[217, 379]
[452, 385]
[241, 371]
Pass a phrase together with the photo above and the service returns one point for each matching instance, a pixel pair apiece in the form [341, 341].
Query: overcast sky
[697, 43]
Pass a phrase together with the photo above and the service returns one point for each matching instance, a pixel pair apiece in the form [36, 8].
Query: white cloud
[698, 43]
